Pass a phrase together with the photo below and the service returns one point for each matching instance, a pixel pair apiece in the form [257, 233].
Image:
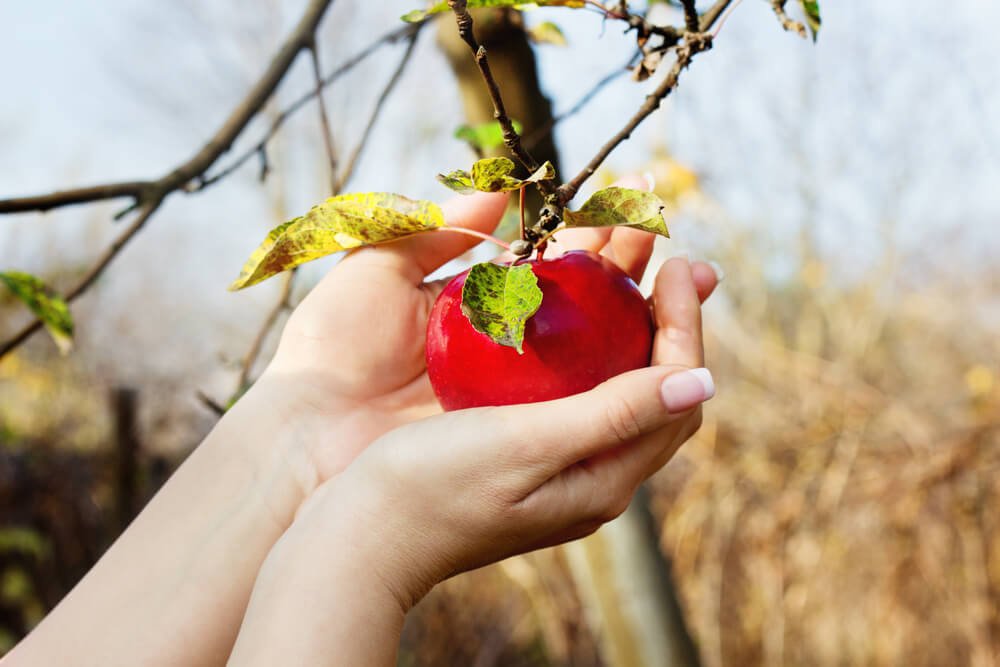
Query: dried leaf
[459, 181]
[339, 223]
[50, 308]
[620, 206]
[499, 300]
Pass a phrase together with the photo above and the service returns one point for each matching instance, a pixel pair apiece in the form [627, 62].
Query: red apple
[593, 324]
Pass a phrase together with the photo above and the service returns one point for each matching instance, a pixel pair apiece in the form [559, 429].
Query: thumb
[551, 436]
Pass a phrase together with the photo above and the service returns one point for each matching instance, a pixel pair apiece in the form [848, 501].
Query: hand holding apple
[455, 491]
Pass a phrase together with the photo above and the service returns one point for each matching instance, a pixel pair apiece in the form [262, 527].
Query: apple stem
[472, 232]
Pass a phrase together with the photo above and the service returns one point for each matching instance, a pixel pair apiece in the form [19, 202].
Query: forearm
[173, 588]
[321, 599]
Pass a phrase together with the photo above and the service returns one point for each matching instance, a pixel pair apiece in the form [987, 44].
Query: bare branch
[75, 196]
[694, 43]
[713, 13]
[324, 121]
[352, 161]
[510, 136]
[279, 120]
[787, 22]
[283, 303]
[542, 132]
[151, 195]
[182, 176]
[92, 274]
[691, 22]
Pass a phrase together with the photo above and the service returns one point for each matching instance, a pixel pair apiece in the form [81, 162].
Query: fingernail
[650, 180]
[720, 275]
[683, 391]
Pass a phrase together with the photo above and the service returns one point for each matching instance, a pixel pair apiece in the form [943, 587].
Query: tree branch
[151, 195]
[324, 121]
[74, 196]
[694, 43]
[352, 161]
[787, 22]
[691, 22]
[510, 136]
[92, 274]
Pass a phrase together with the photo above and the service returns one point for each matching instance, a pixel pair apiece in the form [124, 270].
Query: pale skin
[337, 495]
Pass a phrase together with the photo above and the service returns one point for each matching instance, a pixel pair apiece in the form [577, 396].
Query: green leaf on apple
[620, 206]
[50, 308]
[339, 223]
[484, 136]
[493, 174]
[547, 32]
[418, 15]
[499, 300]
[811, 9]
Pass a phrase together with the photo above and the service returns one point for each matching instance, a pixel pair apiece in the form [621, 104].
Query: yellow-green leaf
[547, 32]
[339, 223]
[459, 181]
[484, 136]
[50, 308]
[499, 300]
[494, 175]
[418, 15]
[620, 206]
[811, 9]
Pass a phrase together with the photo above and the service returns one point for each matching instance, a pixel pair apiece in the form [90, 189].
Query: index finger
[677, 311]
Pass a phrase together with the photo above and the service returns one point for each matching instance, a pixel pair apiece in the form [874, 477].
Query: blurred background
[840, 504]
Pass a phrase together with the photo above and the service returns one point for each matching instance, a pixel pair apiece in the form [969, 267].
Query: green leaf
[485, 136]
[47, 306]
[620, 206]
[547, 33]
[499, 300]
[339, 223]
[459, 181]
[418, 15]
[811, 8]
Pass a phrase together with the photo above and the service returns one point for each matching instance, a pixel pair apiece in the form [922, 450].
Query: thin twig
[92, 274]
[280, 119]
[691, 23]
[694, 44]
[352, 161]
[510, 136]
[283, 303]
[787, 22]
[712, 14]
[545, 130]
[152, 195]
[324, 121]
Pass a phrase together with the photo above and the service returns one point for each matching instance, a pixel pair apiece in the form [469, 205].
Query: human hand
[351, 359]
[459, 490]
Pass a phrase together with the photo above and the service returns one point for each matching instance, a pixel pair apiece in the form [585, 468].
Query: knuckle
[615, 508]
[622, 420]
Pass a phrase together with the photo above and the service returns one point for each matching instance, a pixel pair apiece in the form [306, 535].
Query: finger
[630, 249]
[706, 278]
[677, 312]
[419, 255]
[539, 440]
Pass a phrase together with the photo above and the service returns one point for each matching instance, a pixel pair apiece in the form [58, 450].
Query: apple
[593, 324]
